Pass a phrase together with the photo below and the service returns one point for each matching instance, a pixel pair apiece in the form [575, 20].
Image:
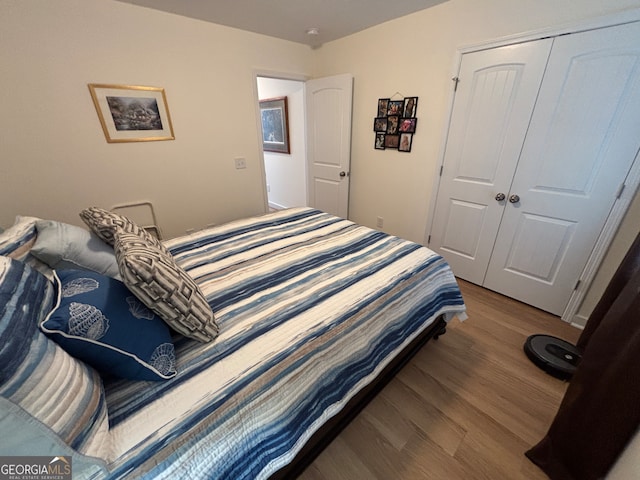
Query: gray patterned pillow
[157, 280]
[104, 224]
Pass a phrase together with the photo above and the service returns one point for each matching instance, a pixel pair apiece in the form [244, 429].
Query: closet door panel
[495, 96]
[580, 145]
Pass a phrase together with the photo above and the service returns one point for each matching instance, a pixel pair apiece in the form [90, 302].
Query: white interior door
[582, 141]
[329, 103]
[496, 92]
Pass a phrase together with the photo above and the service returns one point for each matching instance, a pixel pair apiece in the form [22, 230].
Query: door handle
[343, 174]
[500, 197]
[514, 198]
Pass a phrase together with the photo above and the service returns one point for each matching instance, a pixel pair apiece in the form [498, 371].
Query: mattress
[311, 307]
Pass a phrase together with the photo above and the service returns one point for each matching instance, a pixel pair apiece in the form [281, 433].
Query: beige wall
[415, 56]
[54, 157]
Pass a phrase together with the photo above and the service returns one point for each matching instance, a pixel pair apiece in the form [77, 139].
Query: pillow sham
[18, 240]
[61, 245]
[156, 279]
[105, 223]
[98, 320]
[39, 376]
[23, 435]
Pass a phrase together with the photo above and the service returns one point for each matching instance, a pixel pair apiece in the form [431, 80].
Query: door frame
[278, 76]
[631, 183]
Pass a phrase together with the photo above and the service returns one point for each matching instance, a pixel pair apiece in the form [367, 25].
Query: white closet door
[496, 93]
[584, 135]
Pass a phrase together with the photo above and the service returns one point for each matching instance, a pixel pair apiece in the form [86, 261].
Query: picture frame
[392, 124]
[408, 125]
[395, 123]
[129, 113]
[404, 144]
[380, 124]
[395, 107]
[274, 118]
[391, 141]
[383, 106]
[409, 107]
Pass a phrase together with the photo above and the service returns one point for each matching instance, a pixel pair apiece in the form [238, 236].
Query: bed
[313, 314]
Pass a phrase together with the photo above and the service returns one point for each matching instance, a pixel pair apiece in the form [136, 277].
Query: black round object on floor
[553, 355]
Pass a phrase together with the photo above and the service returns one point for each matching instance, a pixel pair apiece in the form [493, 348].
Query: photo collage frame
[395, 123]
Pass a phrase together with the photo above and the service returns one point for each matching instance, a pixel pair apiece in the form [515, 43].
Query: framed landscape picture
[132, 113]
[274, 116]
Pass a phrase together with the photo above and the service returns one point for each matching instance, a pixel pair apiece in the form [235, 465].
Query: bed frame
[330, 430]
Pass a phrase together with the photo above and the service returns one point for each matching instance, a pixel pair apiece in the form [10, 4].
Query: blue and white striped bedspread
[311, 307]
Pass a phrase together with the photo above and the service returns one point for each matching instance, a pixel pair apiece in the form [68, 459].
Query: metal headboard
[142, 213]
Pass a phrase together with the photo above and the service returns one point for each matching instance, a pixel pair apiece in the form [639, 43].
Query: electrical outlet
[380, 222]
[240, 162]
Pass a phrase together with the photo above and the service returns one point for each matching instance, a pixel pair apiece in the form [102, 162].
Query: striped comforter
[311, 307]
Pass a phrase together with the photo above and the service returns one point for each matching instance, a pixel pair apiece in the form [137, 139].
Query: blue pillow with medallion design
[98, 320]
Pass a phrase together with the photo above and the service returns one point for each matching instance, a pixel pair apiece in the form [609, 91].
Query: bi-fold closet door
[541, 138]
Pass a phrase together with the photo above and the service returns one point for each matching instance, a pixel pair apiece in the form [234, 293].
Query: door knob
[343, 174]
[500, 197]
[514, 198]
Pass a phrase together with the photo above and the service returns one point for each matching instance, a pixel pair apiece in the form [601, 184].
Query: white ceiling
[291, 19]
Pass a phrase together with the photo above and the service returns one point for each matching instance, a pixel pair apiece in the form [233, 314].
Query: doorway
[315, 173]
[286, 174]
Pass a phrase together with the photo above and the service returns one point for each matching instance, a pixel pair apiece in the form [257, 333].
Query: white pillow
[64, 246]
[18, 240]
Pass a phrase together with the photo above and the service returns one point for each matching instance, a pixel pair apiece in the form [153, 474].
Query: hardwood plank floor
[466, 407]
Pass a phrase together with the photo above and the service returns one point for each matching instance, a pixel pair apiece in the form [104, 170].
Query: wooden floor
[466, 407]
